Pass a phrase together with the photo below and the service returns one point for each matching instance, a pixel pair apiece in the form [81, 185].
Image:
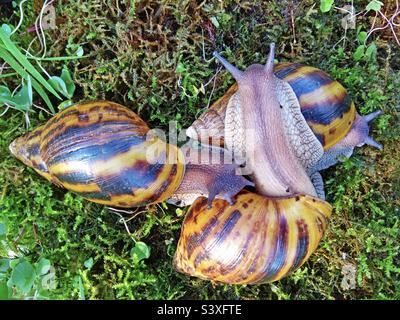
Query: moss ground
[154, 57]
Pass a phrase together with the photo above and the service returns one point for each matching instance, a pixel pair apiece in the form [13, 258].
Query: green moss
[149, 56]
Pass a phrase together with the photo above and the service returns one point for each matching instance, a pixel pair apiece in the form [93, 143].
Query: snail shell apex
[256, 240]
[100, 151]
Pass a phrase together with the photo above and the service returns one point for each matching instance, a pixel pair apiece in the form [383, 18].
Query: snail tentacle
[373, 115]
[269, 65]
[235, 72]
[371, 142]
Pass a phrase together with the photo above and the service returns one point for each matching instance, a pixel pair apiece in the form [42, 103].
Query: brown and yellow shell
[256, 240]
[100, 150]
[325, 105]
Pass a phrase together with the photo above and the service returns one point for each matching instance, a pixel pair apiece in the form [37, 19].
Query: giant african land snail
[325, 106]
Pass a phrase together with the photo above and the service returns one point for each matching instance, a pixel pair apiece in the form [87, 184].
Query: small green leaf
[65, 104]
[374, 5]
[7, 29]
[69, 83]
[180, 68]
[326, 5]
[91, 35]
[225, 18]
[3, 229]
[341, 53]
[22, 100]
[79, 52]
[88, 263]
[23, 276]
[58, 84]
[43, 266]
[370, 53]
[215, 22]
[362, 36]
[4, 265]
[14, 262]
[3, 290]
[5, 92]
[49, 281]
[359, 53]
[5, 97]
[179, 212]
[140, 251]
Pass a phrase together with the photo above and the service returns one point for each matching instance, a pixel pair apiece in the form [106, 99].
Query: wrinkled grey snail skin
[270, 155]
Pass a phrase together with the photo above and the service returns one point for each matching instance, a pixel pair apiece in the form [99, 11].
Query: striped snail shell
[99, 150]
[106, 153]
[256, 240]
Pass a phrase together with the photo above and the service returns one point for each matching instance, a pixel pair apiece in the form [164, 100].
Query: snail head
[253, 72]
[359, 133]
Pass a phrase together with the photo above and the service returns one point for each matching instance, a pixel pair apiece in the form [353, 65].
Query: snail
[266, 234]
[106, 153]
[324, 103]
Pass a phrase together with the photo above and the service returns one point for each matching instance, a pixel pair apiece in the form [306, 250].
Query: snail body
[277, 142]
[211, 172]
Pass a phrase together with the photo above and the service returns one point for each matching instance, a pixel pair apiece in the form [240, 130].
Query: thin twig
[27, 120]
[203, 49]
[135, 215]
[390, 23]
[213, 88]
[122, 210]
[21, 17]
[43, 109]
[213, 77]
[41, 28]
[5, 111]
[123, 221]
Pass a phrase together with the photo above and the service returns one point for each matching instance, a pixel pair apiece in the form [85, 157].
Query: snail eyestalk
[371, 142]
[235, 72]
[372, 116]
[269, 66]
